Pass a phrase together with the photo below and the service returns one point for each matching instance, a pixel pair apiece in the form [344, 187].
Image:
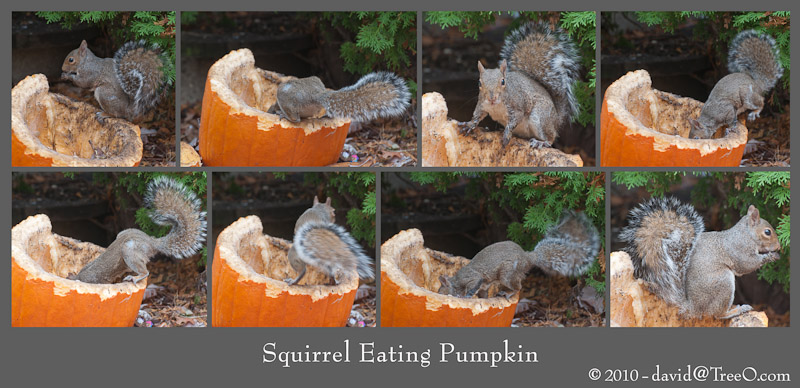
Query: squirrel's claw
[465, 127]
[753, 115]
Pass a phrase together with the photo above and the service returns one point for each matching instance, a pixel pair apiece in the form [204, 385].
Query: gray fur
[135, 78]
[391, 99]
[568, 248]
[183, 213]
[695, 271]
[323, 257]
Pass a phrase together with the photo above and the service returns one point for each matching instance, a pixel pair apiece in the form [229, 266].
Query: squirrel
[531, 93]
[324, 245]
[126, 86]
[690, 268]
[375, 95]
[568, 248]
[172, 204]
[753, 63]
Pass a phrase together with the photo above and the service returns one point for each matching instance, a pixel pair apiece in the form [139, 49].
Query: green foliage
[121, 27]
[721, 27]
[535, 199]
[137, 183]
[767, 191]
[581, 26]
[383, 40]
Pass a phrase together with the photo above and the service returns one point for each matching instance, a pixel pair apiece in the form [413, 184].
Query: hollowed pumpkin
[189, 157]
[444, 146]
[236, 130]
[248, 287]
[645, 127]
[632, 304]
[42, 296]
[409, 281]
[48, 129]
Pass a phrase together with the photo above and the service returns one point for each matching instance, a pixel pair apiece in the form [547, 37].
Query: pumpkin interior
[264, 258]
[652, 111]
[69, 131]
[243, 86]
[417, 269]
[46, 255]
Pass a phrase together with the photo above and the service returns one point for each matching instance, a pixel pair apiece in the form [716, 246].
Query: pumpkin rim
[230, 238]
[617, 94]
[21, 233]
[21, 95]
[434, 301]
[219, 77]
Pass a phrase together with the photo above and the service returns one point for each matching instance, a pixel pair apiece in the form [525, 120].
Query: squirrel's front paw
[465, 127]
[535, 143]
[753, 115]
[129, 278]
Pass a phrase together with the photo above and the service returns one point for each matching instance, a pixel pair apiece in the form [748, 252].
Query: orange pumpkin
[48, 129]
[642, 126]
[248, 287]
[409, 273]
[236, 130]
[42, 296]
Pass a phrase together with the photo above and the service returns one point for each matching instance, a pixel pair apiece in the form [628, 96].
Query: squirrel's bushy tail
[660, 237]
[329, 247]
[174, 204]
[569, 247]
[755, 54]
[375, 95]
[139, 69]
[550, 57]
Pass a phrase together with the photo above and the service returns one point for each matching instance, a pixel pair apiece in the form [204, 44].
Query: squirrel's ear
[328, 201]
[83, 46]
[316, 200]
[503, 66]
[443, 280]
[480, 67]
[754, 215]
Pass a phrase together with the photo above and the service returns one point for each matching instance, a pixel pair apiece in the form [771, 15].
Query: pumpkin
[409, 281]
[42, 296]
[642, 126]
[48, 129]
[444, 146]
[632, 304]
[189, 157]
[236, 130]
[248, 287]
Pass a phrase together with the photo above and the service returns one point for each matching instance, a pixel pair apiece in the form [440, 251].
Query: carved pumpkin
[409, 280]
[236, 130]
[48, 129]
[42, 296]
[248, 287]
[639, 125]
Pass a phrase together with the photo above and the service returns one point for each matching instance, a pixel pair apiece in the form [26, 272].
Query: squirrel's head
[326, 207]
[700, 129]
[492, 82]
[763, 234]
[70, 66]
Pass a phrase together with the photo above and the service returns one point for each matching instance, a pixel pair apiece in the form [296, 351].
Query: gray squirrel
[375, 95]
[690, 268]
[568, 248]
[127, 86]
[320, 243]
[531, 92]
[753, 63]
[172, 204]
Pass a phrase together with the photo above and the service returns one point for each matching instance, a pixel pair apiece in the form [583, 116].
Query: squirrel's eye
[503, 82]
[767, 232]
[71, 59]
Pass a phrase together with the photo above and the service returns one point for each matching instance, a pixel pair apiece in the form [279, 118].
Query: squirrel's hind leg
[736, 311]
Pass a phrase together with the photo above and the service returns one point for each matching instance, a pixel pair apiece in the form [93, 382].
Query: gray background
[222, 356]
